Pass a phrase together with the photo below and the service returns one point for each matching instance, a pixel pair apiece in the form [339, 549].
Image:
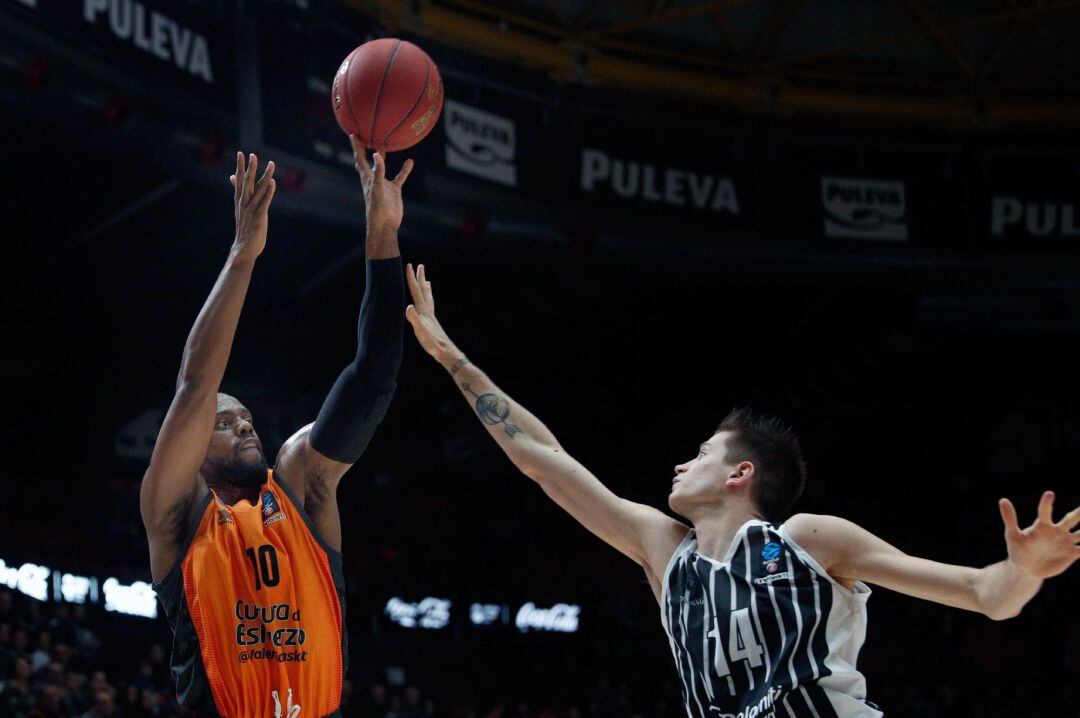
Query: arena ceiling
[987, 62]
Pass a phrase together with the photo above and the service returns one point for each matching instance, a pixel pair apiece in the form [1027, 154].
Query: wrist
[381, 243]
[1018, 572]
[453, 360]
[242, 255]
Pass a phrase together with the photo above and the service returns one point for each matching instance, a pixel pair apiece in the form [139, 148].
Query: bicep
[640, 532]
[848, 551]
[171, 480]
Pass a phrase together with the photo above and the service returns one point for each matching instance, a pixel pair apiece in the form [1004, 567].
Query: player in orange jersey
[246, 560]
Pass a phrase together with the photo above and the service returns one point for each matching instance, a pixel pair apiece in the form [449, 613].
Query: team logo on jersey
[769, 556]
[291, 710]
[224, 516]
[271, 509]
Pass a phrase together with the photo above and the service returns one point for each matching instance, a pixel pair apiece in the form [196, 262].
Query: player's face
[700, 481]
[234, 438]
[234, 456]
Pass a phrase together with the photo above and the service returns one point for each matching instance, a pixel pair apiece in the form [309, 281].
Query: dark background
[926, 378]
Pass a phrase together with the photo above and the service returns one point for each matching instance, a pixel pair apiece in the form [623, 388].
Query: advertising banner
[188, 45]
[481, 144]
[1027, 215]
[494, 140]
[641, 170]
[858, 208]
[1027, 200]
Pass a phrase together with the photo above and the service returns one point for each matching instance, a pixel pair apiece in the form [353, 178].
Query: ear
[740, 476]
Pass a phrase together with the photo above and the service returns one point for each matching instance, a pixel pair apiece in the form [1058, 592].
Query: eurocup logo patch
[271, 509]
[770, 555]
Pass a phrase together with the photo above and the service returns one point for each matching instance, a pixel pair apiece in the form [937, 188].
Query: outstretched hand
[251, 204]
[382, 197]
[421, 315]
[1044, 549]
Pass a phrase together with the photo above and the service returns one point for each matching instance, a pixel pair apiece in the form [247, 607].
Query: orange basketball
[388, 93]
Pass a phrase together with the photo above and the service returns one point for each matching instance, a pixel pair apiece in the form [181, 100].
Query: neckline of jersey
[735, 541]
[268, 484]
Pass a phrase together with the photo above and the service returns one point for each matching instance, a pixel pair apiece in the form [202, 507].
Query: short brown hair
[773, 447]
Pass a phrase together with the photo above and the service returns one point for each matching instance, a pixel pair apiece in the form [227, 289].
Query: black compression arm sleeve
[362, 394]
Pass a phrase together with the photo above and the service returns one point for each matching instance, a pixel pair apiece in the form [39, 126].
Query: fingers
[238, 178]
[380, 166]
[249, 190]
[360, 155]
[404, 173]
[411, 314]
[1070, 520]
[1008, 517]
[267, 195]
[268, 172]
[1046, 507]
[264, 183]
[253, 168]
[414, 286]
[425, 285]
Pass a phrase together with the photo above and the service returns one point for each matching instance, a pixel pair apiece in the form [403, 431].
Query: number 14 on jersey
[743, 644]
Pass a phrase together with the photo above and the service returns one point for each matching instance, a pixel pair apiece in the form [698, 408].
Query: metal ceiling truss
[752, 75]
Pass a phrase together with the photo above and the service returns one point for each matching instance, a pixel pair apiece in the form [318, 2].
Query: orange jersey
[256, 604]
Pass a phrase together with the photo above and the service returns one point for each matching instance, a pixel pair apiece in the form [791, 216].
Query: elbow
[996, 609]
[998, 613]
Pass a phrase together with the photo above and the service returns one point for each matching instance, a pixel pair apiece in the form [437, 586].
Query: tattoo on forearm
[493, 409]
[458, 365]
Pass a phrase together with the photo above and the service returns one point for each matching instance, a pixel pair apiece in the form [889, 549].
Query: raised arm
[1041, 551]
[171, 481]
[318, 455]
[641, 532]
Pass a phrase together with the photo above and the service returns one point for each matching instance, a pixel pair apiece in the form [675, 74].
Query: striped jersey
[256, 605]
[765, 632]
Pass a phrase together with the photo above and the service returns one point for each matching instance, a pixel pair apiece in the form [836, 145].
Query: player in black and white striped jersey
[765, 620]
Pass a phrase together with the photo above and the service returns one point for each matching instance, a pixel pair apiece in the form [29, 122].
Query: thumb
[411, 315]
[1008, 517]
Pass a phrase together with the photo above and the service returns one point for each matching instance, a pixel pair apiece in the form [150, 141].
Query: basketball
[388, 93]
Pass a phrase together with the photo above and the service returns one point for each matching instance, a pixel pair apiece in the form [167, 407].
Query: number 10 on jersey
[265, 565]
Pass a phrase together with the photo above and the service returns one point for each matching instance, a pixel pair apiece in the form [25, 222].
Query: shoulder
[813, 526]
[826, 538]
[295, 444]
[292, 465]
[303, 463]
[660, 536]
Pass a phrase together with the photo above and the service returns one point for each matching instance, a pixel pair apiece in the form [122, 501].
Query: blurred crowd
[71, 661]
[53, 663]
[68, 661]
